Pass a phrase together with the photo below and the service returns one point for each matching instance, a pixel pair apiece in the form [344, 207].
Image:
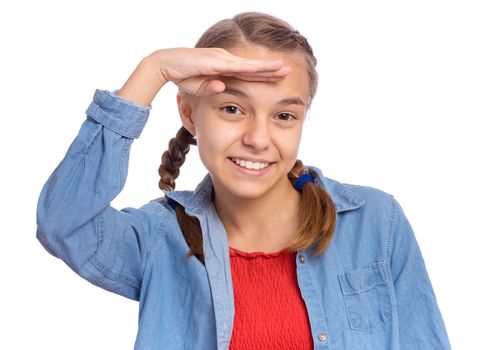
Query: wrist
[144, 83]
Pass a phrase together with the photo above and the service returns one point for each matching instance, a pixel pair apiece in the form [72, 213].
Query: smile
[247, 164]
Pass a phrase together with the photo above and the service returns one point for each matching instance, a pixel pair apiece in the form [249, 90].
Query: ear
[184, 102]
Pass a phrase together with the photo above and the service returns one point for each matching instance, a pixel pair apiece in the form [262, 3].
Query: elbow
[43, 239]
[49, 233]
[74, 246]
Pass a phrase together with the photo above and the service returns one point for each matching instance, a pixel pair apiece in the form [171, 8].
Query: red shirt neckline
[251, 255]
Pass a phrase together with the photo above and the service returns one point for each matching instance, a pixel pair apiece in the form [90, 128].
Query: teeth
[250, 165]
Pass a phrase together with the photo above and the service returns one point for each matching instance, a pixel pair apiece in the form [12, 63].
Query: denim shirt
[368, 290]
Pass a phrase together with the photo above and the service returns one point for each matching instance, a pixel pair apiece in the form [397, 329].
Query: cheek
[288, 145]
[289, 151]
[214, 142]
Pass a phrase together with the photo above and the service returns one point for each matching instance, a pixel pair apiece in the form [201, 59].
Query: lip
[251, 172]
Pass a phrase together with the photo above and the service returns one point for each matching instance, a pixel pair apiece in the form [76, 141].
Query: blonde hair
[317, 210]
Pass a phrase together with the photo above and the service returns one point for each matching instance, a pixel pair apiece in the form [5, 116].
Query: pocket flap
[361, 280]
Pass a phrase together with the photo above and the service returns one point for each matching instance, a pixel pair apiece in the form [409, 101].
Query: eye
[285, 116]
[231, 109]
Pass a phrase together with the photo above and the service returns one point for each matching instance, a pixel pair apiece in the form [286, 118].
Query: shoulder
[365, 232]
[377, 213]
[372, 196]
[348, 197]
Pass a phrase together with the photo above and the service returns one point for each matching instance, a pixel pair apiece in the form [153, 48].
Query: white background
[403, 105]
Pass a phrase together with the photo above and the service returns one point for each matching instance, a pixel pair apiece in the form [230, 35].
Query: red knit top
[269, 310]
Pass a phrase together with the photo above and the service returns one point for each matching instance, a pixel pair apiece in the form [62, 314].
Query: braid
[301, 40]
[173, 158]
[191, 229]
[169, 170]
[317, 214]
[303, 44]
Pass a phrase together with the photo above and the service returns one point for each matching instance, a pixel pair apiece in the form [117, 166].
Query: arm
[74, 218]
[75, 221]
[195, 71]
[421, 323]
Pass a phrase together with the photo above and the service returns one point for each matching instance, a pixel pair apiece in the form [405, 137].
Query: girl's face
[248, 136]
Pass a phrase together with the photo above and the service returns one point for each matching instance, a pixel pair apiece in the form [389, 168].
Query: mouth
[250, 165]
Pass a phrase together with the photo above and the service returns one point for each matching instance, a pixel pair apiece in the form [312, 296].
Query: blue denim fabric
[369, 290]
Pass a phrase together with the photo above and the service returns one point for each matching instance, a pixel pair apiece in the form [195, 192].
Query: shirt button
[322, 337]
[301, 259]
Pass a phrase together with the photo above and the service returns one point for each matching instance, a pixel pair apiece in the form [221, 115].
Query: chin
[247, 191]
[243, 190]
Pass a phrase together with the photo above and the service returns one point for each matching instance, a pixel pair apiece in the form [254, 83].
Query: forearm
[144, 83]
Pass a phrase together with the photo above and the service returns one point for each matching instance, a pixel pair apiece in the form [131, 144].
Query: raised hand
[196, 71]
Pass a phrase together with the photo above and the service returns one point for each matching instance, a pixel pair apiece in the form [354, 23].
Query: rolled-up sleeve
[121, 116]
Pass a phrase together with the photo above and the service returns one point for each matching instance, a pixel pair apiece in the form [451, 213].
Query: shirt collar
[343, 198]
[198, 201]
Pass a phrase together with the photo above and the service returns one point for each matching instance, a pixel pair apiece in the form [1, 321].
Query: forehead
[296, 83]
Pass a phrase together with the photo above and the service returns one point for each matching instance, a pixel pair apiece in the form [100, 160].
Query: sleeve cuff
[117, 114]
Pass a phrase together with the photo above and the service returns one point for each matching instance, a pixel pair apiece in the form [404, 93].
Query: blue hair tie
[298, 184]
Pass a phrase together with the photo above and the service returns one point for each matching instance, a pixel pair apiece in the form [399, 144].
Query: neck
[266, 223]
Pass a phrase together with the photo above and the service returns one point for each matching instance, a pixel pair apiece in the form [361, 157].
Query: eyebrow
[284, 102]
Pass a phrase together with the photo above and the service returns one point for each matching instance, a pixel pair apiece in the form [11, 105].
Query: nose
[257, 134]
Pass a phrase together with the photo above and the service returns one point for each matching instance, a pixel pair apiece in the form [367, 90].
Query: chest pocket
[367, 297]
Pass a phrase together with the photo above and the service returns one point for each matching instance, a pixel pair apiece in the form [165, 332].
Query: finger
[235, 64]
[258, 79]
[262, 76]
[280, 73]
[250, 66]
[211, 87]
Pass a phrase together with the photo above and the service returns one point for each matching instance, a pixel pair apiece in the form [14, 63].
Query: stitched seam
[98, 230]
[122, 163]
[156, 236]
[91, 144]
[371, 330]
[382, 280]
[117, 277]
[389, 240]
[103, 268]
[364, 288]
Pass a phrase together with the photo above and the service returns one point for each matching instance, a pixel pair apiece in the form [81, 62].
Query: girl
[265, 253]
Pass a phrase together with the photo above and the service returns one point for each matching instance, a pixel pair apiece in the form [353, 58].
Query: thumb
[211, 87]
